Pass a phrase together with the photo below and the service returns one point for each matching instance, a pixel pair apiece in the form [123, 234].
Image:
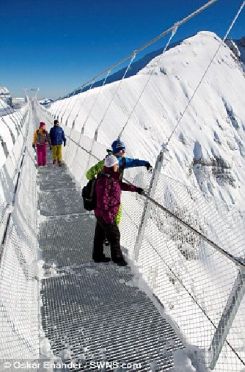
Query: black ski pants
[111, 232]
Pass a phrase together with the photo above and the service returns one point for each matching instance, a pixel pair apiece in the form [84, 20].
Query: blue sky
[57, 45]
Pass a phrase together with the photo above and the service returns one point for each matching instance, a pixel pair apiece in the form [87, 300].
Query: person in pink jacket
[108, 194]
[40, 142]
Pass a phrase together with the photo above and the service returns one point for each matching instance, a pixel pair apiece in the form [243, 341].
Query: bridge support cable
[82, 104]
[95, 101]
[72, 106]
[159, 161]
[117, 89]
[63, 109]
[173, 32]
[152, 41]
[58, 110]
[237, 292]
[57, 113]
[206, 71]
[132, 56]
[88, 115]
[79, 110]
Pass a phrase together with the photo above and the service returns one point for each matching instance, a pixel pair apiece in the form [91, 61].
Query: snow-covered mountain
[45, 101]
[133, 70]
[208, 148]
[238, 48]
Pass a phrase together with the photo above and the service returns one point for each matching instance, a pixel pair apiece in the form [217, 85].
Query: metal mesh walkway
[93, 313]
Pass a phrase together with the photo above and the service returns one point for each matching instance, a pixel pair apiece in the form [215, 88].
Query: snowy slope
[134, 68]
[207, 150]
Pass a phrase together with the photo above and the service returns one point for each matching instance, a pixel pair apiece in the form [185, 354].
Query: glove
[64, 143]
[149, 166]
[34, 146]
[140, 190]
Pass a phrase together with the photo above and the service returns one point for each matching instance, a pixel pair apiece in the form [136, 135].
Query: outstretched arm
[127, 187]
[132, 163]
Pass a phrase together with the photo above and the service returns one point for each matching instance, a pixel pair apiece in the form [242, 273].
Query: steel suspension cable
[174, 30]
[72, 104]
[82, 104]
[115, 93]
[95, 101]
[79, 110]
[86, 119]
[205, 72]
[152, 41]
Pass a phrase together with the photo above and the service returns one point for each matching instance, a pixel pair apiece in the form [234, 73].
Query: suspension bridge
[181, 297]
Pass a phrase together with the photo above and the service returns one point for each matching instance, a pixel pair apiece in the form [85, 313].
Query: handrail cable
[95, 101]
[115, 93]
[235, 260]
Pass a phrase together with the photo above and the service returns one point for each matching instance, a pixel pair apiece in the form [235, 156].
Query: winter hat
[110, 160]
[42, 124]
[117, 145]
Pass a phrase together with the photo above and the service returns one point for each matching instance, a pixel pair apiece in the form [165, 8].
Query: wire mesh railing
[198, 284]
[195, 282]
[19, 287]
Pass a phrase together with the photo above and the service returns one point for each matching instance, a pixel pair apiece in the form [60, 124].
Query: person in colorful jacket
[40, 141]
[118, 150]
[57, 137]
[108, 194]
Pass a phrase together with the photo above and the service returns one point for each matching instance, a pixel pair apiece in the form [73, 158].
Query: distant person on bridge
[57, 137]
[118, 150]
[40, 141]
[108, 194]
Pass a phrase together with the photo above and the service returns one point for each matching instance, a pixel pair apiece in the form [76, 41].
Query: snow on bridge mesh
[183, 270]
[187, 274]
[92, 313]
[19, 288]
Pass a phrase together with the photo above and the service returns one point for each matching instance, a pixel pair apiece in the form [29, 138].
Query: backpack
[89, 195]
[88, 191]
[42, 137]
